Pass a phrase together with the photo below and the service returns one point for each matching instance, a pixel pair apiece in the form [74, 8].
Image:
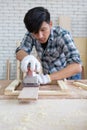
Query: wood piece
[24, 74]
[8, 70]
[81, 44]
[65, 22]
[52, 93]
[82, 73]
[10, 89]
[81, 85]
[44, 93]
[18, 70]
[28, 93]
[18, 65]
[62, 84]
[0, 86]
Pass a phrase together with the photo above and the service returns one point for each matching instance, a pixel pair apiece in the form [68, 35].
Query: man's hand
[34, 64]
[43, 79]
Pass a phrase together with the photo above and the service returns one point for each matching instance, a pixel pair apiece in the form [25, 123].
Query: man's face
[43, 33]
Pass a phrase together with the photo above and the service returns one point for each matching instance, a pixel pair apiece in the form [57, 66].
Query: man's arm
[67, 72]
[70, 70]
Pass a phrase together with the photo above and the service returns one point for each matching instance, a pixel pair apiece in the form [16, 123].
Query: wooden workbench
[52, 113]
[72, 93]
[49, 114]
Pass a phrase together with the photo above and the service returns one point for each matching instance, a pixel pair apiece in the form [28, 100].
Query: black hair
[35, 17]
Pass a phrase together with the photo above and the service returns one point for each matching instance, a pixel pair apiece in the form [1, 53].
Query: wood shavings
[41, 115]
[20, 128]
[26, 118]
[44, 114]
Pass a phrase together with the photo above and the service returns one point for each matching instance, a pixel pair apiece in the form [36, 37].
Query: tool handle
[29, 72]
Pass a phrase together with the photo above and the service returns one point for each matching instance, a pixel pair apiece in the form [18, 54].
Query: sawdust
[44, 114]
[20, 128]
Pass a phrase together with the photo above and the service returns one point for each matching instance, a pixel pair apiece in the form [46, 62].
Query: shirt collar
[51, 37]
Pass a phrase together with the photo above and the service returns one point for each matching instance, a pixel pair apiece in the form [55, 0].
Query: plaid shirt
[59, 53]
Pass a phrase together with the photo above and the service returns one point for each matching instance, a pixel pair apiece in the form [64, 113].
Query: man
[55, 47]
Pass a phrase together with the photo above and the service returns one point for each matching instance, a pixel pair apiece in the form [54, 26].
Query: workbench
[67, 112]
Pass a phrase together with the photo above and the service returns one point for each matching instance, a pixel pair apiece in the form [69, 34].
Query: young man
[55, 47]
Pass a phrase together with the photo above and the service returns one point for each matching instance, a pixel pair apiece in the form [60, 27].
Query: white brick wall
[12, 28]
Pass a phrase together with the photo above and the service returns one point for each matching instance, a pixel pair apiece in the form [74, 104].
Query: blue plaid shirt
[59, 52]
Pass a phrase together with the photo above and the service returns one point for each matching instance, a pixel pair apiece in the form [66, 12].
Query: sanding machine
[30, 80]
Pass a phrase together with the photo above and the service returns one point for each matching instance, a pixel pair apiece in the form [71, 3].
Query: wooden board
[81, 44]
[8, 70]
[11, 88]
[28, 93]
[63, 85]
[80, 85]
[65, 22]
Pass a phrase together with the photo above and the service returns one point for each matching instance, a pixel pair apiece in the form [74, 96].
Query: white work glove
[43, 79]
[34, 64]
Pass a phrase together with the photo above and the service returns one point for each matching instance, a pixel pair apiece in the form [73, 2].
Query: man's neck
[44, 45]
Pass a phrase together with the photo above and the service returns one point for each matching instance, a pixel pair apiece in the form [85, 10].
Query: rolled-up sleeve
[26, 44]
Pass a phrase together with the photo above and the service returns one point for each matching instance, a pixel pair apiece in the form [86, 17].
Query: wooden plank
[28, 93]
[8, 70]
[62, 85]
[18, 70]
[81, 85]
[65, 22]
[10, 89]
[52, 93]
[0, 86]
[81, 44]
[32, 93]
[18, 65]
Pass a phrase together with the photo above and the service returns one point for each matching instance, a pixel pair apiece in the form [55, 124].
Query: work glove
[34, 64]
[43, 79]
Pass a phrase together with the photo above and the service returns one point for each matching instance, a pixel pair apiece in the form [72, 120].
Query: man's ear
[50, 23]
